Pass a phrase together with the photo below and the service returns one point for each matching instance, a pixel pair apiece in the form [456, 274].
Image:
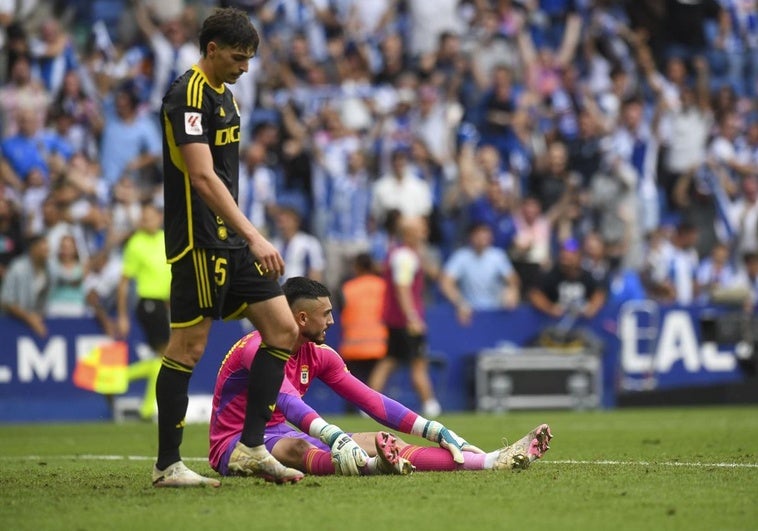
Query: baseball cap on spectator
[570, 244]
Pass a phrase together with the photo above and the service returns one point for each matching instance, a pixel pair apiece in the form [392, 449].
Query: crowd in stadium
[624, 132]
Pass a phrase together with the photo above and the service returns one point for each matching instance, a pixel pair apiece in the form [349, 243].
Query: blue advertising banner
[645, 346]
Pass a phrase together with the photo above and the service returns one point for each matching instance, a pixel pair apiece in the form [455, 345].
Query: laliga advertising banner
[645, 347]
[662, 347]
[38, 376]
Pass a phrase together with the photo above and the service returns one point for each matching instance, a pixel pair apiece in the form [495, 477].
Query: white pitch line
[603, 462]
[696, 464]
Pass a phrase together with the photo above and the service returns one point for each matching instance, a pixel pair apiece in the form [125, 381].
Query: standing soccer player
[221, 266]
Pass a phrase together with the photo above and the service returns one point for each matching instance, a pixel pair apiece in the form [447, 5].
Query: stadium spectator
[685, 26]
[316, 447]
[530, 251]
[491, 43]
[21, 92]
[743, 216]
[55, 226]
[635, 146]
[555, 185]
[495, 209]
[302, 252]
[348, 203]
[393, 60]
[738, 39]
[31, 151]
[257, 193]
[84, 108]
[403, 313]
[400, 189]
[594, 258]
[173, 51]
[715, 274]
[130, 144]
[53, 54]
[67, 272]
[125, 211]
[26, 286]
[428, 22]
[674, 279]
[11, 239]
[747, 279]
[586, 149]
[479, 276]
[101, 289]
[568, 290]
[494, 113]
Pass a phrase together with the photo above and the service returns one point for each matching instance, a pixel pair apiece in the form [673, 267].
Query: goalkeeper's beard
[319, 338]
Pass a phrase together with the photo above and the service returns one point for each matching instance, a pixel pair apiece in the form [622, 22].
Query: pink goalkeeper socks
[426, 458]
[318, 462]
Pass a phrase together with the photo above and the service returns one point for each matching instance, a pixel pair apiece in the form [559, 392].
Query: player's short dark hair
[297, 288]
[229, 27]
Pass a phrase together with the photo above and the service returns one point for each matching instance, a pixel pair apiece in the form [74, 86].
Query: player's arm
[209, 187]
[348, 457]
[391, 413]
[396, 416]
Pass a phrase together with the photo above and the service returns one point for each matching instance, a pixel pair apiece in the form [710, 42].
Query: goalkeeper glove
[449, 440]
[348, 458]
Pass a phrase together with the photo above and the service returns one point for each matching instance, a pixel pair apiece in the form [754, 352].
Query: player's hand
[267, 255]
[348, 458]
[449, 440]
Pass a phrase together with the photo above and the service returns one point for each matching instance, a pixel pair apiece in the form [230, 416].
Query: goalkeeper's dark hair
[229, 27]
[297, 288]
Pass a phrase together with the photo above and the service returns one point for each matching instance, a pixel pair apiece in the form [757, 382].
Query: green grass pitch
[651, 469]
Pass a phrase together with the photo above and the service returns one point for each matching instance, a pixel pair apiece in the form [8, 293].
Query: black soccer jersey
[195, 111]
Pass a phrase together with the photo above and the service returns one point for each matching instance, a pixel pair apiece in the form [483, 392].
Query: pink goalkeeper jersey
[311, 361]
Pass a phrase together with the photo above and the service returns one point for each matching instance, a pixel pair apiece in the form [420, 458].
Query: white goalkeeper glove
[347, 456]
[449, 440]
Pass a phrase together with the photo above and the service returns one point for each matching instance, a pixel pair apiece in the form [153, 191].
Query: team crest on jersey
[222, 233]
[193, 124]
[304, 376]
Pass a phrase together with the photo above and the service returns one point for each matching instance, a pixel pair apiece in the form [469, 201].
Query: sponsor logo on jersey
[227, 135]
[193, 124]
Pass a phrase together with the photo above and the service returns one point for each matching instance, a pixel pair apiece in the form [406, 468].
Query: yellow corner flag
[104, 369]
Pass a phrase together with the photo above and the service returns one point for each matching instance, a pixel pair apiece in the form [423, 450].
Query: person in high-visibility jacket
[364, 334]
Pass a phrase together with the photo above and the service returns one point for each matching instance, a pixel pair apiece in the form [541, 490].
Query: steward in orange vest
[364, 335]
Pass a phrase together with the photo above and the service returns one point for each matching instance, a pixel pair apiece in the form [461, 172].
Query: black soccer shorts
[405, 347]
[217, 283]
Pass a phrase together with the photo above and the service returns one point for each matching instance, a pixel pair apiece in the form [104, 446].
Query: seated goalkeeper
[320, 448]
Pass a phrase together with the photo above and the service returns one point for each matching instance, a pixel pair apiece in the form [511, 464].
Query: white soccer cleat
[388, 460]
[519, 455]
[246, 461]
[178, 475]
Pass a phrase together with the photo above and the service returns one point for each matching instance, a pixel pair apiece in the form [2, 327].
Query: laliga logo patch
[193, 123]
[304, 374]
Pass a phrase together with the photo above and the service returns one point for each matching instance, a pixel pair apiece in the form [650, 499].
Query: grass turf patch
[628, 469]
